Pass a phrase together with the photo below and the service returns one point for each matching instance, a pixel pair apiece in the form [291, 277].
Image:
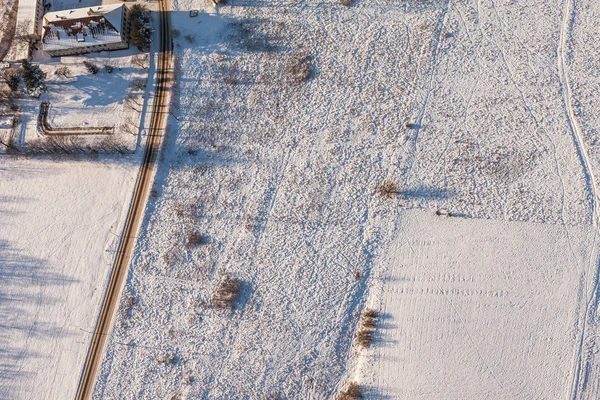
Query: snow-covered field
[479, 309]
[485, 109]
[60, 225]
[464, 106]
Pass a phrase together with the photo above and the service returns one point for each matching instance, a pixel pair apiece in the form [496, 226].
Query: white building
[85, 30]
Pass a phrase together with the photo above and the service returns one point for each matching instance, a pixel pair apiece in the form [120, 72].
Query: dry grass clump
[128, 303]
[351, 392]
[387, 189]
[227, 292]
[368, 322]
[166, 358]
[194, 239]
[299, 68]
[364, 337]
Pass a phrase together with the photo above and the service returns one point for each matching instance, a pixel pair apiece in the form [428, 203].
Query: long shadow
[25, 284]
[427, 193]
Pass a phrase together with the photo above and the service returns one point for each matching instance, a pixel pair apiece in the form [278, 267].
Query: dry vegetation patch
[299, 68]
[387, 189]
[227, 292]
[351, 392]
[366, 329]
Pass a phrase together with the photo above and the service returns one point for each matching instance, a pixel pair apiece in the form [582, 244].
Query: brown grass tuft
[227, 292]
[299, 68]
[387, 189]
[352, 392]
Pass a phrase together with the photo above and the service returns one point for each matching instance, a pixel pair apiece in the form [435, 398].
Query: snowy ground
[60, 224]
[280, 178]
[83, 99]
[479, 309]
[61, 219]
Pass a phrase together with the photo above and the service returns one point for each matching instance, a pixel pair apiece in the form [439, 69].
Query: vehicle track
[591, 181]
[136, 210]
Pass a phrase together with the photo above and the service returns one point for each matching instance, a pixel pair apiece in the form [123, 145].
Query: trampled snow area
[60, 222]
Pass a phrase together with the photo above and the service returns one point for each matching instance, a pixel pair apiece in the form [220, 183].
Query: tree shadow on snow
[25, 286]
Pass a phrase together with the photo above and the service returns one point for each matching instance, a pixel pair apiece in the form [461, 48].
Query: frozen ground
[60, 223]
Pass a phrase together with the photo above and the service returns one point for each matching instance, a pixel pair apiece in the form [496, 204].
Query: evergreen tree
[34, 78]
[141, 32]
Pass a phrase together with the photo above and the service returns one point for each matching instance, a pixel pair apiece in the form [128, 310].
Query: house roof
[82, 27]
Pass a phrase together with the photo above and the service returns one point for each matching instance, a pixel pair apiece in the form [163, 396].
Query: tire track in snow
[590, 179]
[441, 22]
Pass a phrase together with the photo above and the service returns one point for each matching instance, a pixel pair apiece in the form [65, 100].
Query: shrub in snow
[128, 303]
[387, 189]
[141, 32]
[91, 68]
[366, 329]
[346, 3]
[351, 392]
[364, 338]
[299, 68]
[62, 71]
[109, 68]
[369, 318]
[227, 292]
[34, 78]
[166, 358]
[188, 379]
[194, 239]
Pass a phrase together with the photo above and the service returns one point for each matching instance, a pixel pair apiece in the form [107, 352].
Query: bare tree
[12, 76]
[113, 145]
[138, 84]
[7, 101]
[141, 60]
[131, 102]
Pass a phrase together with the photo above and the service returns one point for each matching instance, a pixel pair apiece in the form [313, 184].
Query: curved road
[136, 211]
